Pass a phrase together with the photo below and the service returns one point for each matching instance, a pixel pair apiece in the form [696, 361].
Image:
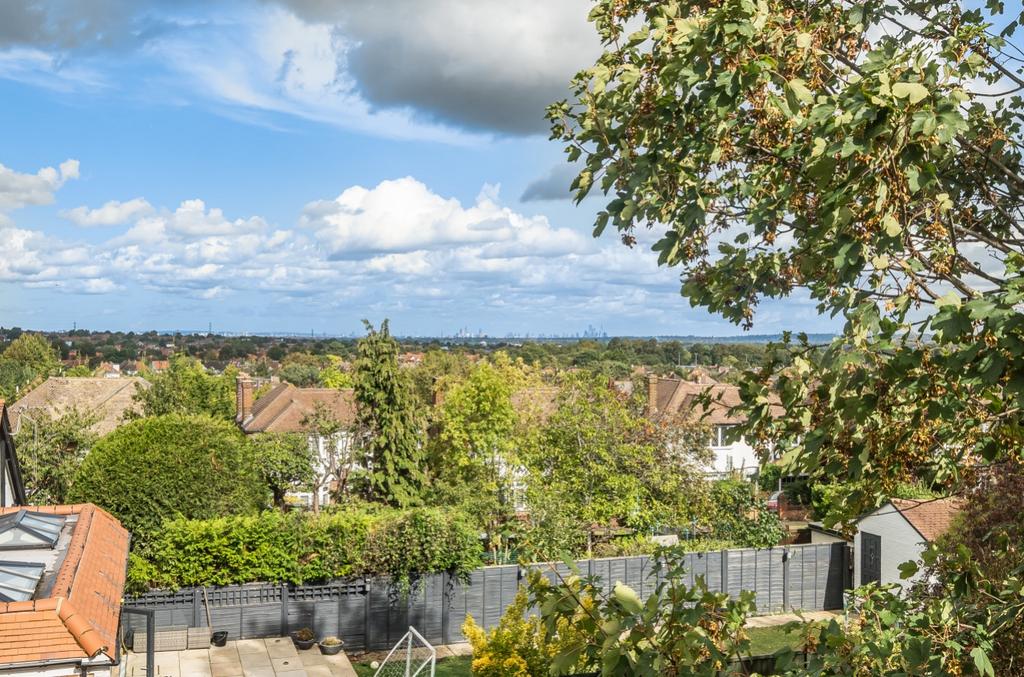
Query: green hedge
[299, 548]
[153, 469]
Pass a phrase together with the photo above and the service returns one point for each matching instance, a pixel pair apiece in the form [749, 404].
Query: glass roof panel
[18, 580]
[24, 529]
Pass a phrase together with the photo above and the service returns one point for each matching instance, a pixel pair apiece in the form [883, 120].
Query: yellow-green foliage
[517, 646]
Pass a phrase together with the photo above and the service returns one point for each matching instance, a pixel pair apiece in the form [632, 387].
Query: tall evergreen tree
[389, 425]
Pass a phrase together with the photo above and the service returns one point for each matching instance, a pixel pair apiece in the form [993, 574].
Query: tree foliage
[285, 461]
[164, 467]
[50, 451]
[28, 360]
[474, 456]
[851, 153]
[600, 462]
[186, 388]
[389, 426]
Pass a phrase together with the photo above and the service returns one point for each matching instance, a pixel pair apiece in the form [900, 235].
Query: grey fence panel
[372, 614]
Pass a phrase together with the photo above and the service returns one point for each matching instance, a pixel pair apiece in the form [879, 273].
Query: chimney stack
[243, 397]
[652, 394]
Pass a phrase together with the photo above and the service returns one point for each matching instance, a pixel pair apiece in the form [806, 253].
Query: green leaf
[907, 569]
[914, 91]
[891, 226]
[628, 598]
[800, 91]
[982, 662]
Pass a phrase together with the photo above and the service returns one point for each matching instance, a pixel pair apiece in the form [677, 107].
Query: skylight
[18, 580]
[24, 529]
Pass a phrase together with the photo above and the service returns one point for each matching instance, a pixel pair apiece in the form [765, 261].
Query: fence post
[785, 579]
[197, 620]
[445, 610]
[725, 571]
[284, 610]
[366, 615]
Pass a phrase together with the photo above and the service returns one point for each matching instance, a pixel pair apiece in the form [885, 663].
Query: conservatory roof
[27, 529]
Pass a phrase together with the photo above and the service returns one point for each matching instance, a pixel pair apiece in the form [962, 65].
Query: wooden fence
[369, 614]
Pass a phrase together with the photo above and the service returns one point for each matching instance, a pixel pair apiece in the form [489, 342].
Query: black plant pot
[331, 650]
[219, 638]
[303, 643]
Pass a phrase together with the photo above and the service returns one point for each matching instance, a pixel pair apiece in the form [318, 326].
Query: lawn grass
[449, 667]
[771, 639]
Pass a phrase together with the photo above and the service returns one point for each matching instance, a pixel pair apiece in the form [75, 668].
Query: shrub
[171, 466]
[743, 518]
[333, 545]
[221, 551]
[299, 547]
[517, 646]
[403, 544]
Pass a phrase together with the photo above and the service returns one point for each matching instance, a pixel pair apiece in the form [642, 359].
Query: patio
[274, 657]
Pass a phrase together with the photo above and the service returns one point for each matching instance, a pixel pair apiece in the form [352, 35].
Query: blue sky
[297, 165]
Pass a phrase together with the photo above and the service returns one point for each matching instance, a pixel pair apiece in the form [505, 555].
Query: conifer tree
[389, 425]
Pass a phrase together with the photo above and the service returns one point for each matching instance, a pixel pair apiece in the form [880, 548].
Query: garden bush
[303, 547]
[741, 517]
[421, 540]
[160, 468]
[518, 646]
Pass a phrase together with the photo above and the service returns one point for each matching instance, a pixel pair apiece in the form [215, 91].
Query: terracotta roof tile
[285, 406]
[676, 396]
[106, 398]
[81, 616]
[931, 518]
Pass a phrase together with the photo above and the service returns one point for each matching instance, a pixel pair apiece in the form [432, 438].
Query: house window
[718, 436]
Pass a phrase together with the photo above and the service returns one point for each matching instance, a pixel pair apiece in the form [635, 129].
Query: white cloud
[20, 190]
[403, 215]
[112, 213]
[393, 248]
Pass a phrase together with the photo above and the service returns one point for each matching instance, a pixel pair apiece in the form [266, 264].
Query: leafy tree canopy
[50, 451]
[168, 466]
[867, 156]
[28, 360]
[186, 388]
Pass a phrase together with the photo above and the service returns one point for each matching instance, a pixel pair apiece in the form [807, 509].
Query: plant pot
[331, 649]
[303, 643]
[219, 638]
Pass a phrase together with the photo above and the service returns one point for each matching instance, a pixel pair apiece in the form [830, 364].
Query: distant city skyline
[276, 166]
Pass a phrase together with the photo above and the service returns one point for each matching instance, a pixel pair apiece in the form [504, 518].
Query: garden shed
[898, 532]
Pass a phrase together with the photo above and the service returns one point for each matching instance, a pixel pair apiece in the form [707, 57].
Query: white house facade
[895, 533]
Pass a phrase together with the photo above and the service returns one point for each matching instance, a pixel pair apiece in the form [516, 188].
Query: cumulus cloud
[397, 246]
[19, 190]
[112, 213]
[480, 64]
[403, 215]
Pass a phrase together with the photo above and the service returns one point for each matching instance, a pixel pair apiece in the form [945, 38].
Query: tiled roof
[285, 406]
[676, 396]
[931, 518]
[106, 398]
[79, 619]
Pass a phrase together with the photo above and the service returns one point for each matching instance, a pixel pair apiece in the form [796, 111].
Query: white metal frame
[407, 640]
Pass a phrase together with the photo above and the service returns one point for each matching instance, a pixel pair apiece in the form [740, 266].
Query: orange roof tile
[931, 518]
[285, 407]
[80, 617]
